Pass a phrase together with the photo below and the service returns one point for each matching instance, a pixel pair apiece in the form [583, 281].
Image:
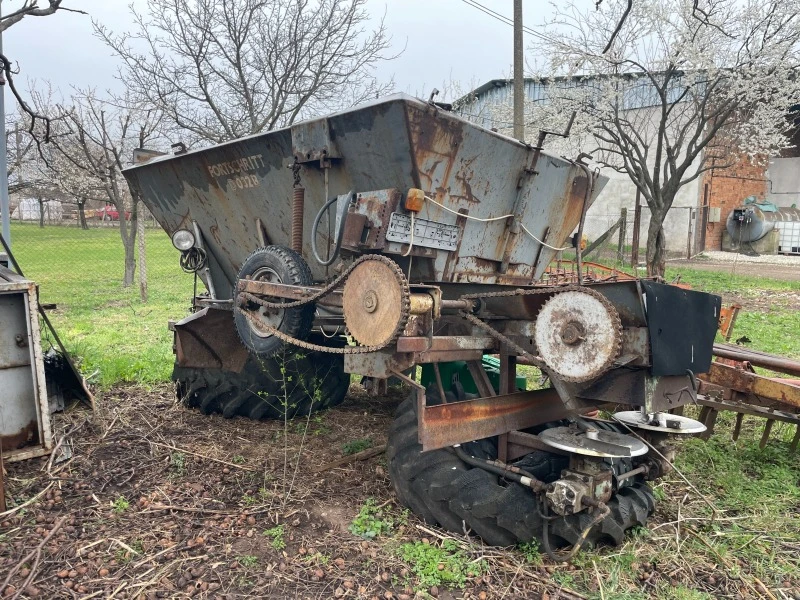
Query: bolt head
[572, 333]
[370, 301]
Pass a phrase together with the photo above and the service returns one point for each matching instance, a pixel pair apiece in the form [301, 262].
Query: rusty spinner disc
[375, 300]
[578, 334]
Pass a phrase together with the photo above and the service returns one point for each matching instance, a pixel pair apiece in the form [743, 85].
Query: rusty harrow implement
[732, 384]
[394, 235]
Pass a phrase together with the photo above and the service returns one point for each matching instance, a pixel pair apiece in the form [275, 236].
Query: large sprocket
[578, 334]
[376, 301]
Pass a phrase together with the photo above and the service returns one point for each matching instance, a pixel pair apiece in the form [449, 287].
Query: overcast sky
[444, 40]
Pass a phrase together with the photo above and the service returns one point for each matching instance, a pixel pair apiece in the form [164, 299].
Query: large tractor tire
[443, 490]
[276, 388]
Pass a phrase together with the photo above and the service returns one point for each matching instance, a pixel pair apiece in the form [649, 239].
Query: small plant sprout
[371, 521]
[120, 505]
[248, 561]
[276, 535]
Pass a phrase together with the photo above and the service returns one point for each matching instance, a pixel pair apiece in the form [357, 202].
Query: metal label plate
[429, 234]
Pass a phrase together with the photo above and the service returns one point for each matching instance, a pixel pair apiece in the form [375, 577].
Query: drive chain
[405, 310]
[612, 311]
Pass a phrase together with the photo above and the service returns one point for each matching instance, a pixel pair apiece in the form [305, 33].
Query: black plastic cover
[682, 325]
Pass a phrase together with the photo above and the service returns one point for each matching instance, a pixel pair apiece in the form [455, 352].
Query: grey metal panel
[24, 417]
[398, 142]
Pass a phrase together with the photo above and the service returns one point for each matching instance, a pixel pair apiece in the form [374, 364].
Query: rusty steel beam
[751, 383]
[758, 359]
[459, 422]
[445, 343]
[291, 292]
[741, 409]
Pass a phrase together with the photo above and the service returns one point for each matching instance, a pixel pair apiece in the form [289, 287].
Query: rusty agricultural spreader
[395, 235]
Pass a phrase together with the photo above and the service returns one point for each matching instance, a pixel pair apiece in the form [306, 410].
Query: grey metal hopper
[239, 193]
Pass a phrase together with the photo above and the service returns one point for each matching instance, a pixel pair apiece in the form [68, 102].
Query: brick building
[692, 220]
[725, 189]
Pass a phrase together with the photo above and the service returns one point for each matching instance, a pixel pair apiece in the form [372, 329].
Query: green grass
[105, 325]
[773, 327]
[445, 565]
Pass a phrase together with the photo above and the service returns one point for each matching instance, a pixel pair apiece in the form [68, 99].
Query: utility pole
[4, 204]
[519, 84]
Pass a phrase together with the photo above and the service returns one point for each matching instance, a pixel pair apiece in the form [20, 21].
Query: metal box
[24, 412]
[714, 214]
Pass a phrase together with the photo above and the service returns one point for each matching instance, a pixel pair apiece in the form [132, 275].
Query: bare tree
[682, 87]
[26, 9]
[93, 139]
[222, 69]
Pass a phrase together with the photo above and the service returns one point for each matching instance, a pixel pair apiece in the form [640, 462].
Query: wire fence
[684, 229]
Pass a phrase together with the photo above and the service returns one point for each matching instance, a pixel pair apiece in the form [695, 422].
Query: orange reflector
[414, 200]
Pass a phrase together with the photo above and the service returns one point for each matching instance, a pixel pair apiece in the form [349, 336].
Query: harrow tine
[765, 435]
[796, 440]
[738, 428]
[708, 416]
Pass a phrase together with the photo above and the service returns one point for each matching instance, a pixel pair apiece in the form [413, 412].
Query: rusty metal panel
[785, 394]
[207, 339]
[394, 143]
[459, 422]
[24, 412]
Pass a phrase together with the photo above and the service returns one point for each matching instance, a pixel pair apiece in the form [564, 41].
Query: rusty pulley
[578, 334]
[376, 302]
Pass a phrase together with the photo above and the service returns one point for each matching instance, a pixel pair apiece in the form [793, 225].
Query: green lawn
[119, 338]
[114, 335]
[770, 317]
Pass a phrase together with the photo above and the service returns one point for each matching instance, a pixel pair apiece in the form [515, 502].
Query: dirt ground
[152, 500]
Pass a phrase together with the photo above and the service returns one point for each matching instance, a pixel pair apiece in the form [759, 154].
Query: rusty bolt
[572, 333]
[370, 301]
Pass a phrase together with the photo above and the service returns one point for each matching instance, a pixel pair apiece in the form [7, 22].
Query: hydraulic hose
[339, 235]
[570, 554]
[512, 473]
[528, 480]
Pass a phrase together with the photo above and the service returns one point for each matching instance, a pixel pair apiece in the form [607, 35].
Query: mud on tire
[438, 487]
[285, 386]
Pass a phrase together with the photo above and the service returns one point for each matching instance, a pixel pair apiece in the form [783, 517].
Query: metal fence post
[637, 220]
[623, 225]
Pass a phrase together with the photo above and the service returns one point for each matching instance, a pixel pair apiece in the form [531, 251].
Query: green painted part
[458, 371]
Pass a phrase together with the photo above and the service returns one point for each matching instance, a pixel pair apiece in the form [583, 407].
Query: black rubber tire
[297, 384]
[443, 490]
[289, 268]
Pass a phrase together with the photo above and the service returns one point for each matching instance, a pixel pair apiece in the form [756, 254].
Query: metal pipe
[632, 473]
[569, 555]
[420, 304]
[759, 359]
[298, 205]
[589, 189]
[4, 203]
[467, 305]
[506, 471]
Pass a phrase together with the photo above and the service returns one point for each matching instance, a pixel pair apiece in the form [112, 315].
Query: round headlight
[183, 239]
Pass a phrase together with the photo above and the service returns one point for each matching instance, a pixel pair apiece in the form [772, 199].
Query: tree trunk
[41, 212]
[142, 259]
[82, 215]
[656, 245]
[127, 231]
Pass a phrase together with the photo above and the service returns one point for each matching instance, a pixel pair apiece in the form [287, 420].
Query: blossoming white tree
[685, 86]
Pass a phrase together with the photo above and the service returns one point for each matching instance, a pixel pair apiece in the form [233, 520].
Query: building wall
[619, 192]
[727, 188]
[783, 188]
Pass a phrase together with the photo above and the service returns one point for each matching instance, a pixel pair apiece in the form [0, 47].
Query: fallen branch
[37, 553]
[218, 460]
[29, 501]
[346, 460]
